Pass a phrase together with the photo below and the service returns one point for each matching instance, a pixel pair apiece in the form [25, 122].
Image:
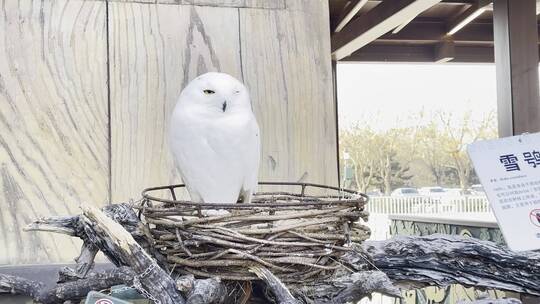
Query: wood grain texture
[267, 4]
[264, 4]
[155, 51]
[54, 141]
[53, 121]
[286, 65]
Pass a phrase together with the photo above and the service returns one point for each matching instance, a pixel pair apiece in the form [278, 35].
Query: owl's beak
[224, 107]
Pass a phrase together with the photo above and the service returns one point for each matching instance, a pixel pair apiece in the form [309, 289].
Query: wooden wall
[80, 122]
[54, 138]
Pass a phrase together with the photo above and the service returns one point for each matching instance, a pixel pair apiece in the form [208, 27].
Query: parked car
[432, 191]
[376, 192]
[457, 191]
[477, 190]
[405, 192]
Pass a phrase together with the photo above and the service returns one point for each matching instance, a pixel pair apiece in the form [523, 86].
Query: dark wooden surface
[342, 42]
[419, 53]
[422, 34]
[516, 57]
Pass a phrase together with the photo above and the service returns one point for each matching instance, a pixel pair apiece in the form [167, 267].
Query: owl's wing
[252, 155]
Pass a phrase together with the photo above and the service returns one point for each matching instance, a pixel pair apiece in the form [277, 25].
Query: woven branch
[295, 235]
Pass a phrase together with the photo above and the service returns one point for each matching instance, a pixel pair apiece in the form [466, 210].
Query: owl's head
[216, 92]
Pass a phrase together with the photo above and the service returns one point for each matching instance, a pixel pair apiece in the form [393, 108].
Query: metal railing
[427, 205]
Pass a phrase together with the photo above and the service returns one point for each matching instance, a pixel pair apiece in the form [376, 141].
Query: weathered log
[20, 286]
[75, 290]
[348, 288]
[441, 260]
[410, 261]
[74, 226]
[492, 301]
[206, 291]
[85, 263]
[150, 280]
[280, 291]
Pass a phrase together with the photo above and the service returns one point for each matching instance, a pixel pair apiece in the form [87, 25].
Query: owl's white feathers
[215, 139]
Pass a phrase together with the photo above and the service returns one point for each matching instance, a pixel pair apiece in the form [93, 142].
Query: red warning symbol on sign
[104, 301]
[534, 216]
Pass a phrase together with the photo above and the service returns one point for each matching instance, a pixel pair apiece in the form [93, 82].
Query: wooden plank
[516, 58]
[291, 96]
[54, 133]
[288, 71]
[445, 51]
[403, 25]
[266, 4]
[473, 12]
[350, 10]
[422, 32]
[419, 53]
[383, 18]
[155, 51]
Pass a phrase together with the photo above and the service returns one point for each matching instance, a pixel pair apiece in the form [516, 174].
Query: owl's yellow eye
[209, 92]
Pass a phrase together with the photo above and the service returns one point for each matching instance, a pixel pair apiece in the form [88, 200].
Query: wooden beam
[445, 51]
[516, 58]
[375, 23]
[419, 53]
[350, 10]
[336, 118]
[403, 25]
[433, 31]
[445, 2]
[468, 16]
[457, 2]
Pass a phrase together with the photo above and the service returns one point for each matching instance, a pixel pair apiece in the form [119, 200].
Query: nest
[298, 235]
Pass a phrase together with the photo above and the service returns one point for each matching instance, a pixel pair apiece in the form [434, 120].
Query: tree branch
[75, 290]
[441, 260]
[119, 243]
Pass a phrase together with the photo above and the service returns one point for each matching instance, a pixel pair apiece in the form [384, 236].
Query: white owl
[215, 139]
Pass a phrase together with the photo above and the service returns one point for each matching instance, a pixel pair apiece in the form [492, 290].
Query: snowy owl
[215, 139]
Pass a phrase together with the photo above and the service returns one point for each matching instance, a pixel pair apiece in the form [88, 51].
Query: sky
[387, 94]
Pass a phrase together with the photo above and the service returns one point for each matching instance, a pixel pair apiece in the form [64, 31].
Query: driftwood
[151, 279]
[448, 259]
[348, 288]
[491, 301]
[196, 291]
[280, 291]
[75, 290]
[410, 262]
[114, 232]
[78, 226]
[202, 291]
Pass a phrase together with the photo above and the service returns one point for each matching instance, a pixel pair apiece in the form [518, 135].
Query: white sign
[509, 170]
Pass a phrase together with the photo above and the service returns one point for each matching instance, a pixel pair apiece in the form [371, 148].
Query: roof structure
[412, 30]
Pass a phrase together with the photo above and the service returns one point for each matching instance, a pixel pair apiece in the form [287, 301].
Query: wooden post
[516, 58]
[336, 107]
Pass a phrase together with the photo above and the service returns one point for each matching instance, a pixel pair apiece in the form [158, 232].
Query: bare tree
[456, 134]
[378, 158]
[384, 158]
[358, 144]
[430, 152]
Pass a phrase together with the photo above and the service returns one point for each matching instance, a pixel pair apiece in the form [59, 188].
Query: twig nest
[298, 235]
